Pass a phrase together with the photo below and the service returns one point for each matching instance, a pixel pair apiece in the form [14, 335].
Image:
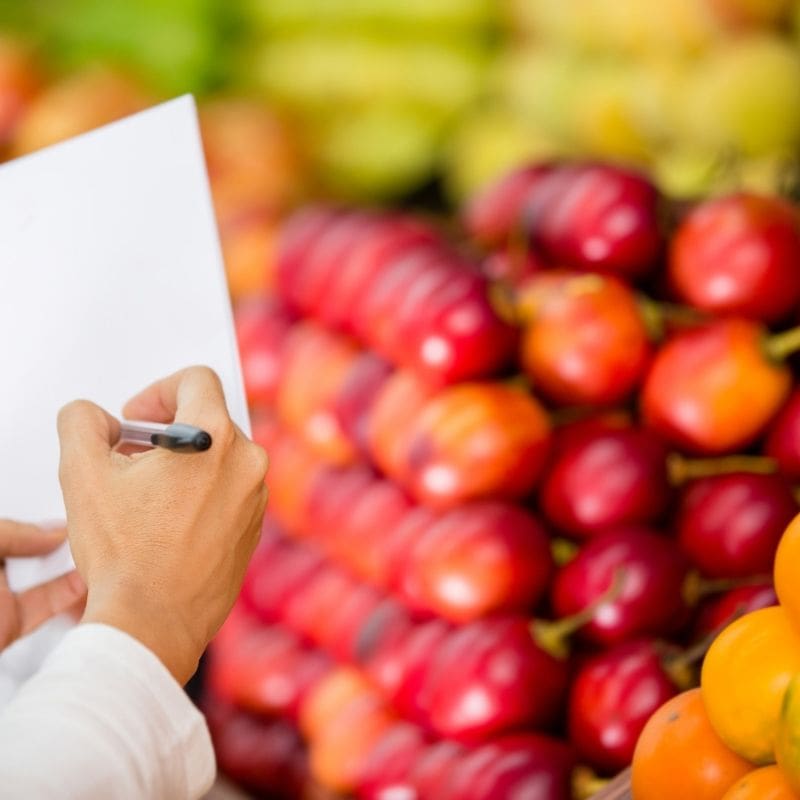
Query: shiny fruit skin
[651, 571]
[679, 755]
[712, 389]
[766, 783]
[718, 612]
[477, 559]
[588, 345]
[612, 696]
[783, 439]
[262, 327]
[744, 677]
[787, 558]
[603, 475]
[597, 217]
[496, 213]
[470, 441]
[739, 255]
[787, 749]
[729, 525]
[521, 765]
[491, 677]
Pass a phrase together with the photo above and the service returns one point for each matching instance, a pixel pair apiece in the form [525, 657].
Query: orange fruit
[786, 560]
[745, 675]
[766, 783]
[787, 747]
[680, 757]
[340, 689]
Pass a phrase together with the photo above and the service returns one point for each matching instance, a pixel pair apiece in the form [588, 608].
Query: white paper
[111, 277]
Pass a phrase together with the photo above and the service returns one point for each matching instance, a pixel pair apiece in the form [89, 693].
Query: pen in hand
[176, 436]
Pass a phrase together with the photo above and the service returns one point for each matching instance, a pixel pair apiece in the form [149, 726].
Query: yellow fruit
[745, 675]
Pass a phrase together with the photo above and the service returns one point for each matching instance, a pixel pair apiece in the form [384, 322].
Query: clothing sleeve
[103, 720]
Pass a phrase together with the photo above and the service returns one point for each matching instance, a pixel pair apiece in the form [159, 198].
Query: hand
[162, 539]
[21, 613]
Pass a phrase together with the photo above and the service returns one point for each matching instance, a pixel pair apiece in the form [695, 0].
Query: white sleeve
[103, 719]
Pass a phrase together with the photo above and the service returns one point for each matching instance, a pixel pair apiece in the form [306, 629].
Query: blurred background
[410, 101]
[413, 104]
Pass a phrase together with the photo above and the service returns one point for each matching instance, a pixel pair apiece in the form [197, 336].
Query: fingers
[86, 433]
[40, 603]
[23, 539]
[193, 395]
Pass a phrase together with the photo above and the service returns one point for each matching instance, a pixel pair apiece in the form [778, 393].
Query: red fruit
[596, 217]
[650, 571]
[469, 441]
[396, 663]
[730, 525]
[713, 389]
[524, 765]
[739, 255]
[390, 762]
[783, 440]
[587, 345]
[477, 559]
[262, 755]
[261, 330]
[267, 589]
[612, 697]
[356, 396]
[606, 475]
[297, 235]
[497, 212]
[491, 677]
[388, 238]
[720, 611]
[316, 365]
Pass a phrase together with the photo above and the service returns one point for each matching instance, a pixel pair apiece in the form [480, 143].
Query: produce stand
[518, 434]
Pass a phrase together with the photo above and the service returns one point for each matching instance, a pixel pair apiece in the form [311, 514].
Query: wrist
[153, 626]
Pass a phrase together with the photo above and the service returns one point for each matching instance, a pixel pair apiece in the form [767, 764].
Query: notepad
[111, 277]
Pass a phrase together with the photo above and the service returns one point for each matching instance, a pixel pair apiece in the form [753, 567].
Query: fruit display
[521, 478]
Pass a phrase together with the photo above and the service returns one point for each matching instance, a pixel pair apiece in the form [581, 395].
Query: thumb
[86, 434]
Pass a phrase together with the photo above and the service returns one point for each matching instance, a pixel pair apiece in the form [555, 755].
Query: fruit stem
[681, 469]
[656, 316]
[695, 587]
[680, 664]
[552, 635]
[563, 551]
[780, 346]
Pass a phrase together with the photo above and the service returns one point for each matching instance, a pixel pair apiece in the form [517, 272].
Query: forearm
[103, 719]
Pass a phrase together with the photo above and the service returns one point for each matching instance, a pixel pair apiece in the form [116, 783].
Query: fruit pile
[521, 475]
[255, 170]
[703, 93]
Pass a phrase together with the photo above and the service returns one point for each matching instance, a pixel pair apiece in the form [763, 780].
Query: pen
[176, 436]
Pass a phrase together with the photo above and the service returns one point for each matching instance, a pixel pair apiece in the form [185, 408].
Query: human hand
[162, 539]
[22, 612]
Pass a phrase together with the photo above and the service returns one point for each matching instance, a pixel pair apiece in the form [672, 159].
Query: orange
[787, 747]
[679, 757]
[767, 783]
[786, 561]
[745, 675]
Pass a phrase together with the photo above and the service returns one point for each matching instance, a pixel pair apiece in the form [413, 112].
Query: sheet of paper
[111, 277]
